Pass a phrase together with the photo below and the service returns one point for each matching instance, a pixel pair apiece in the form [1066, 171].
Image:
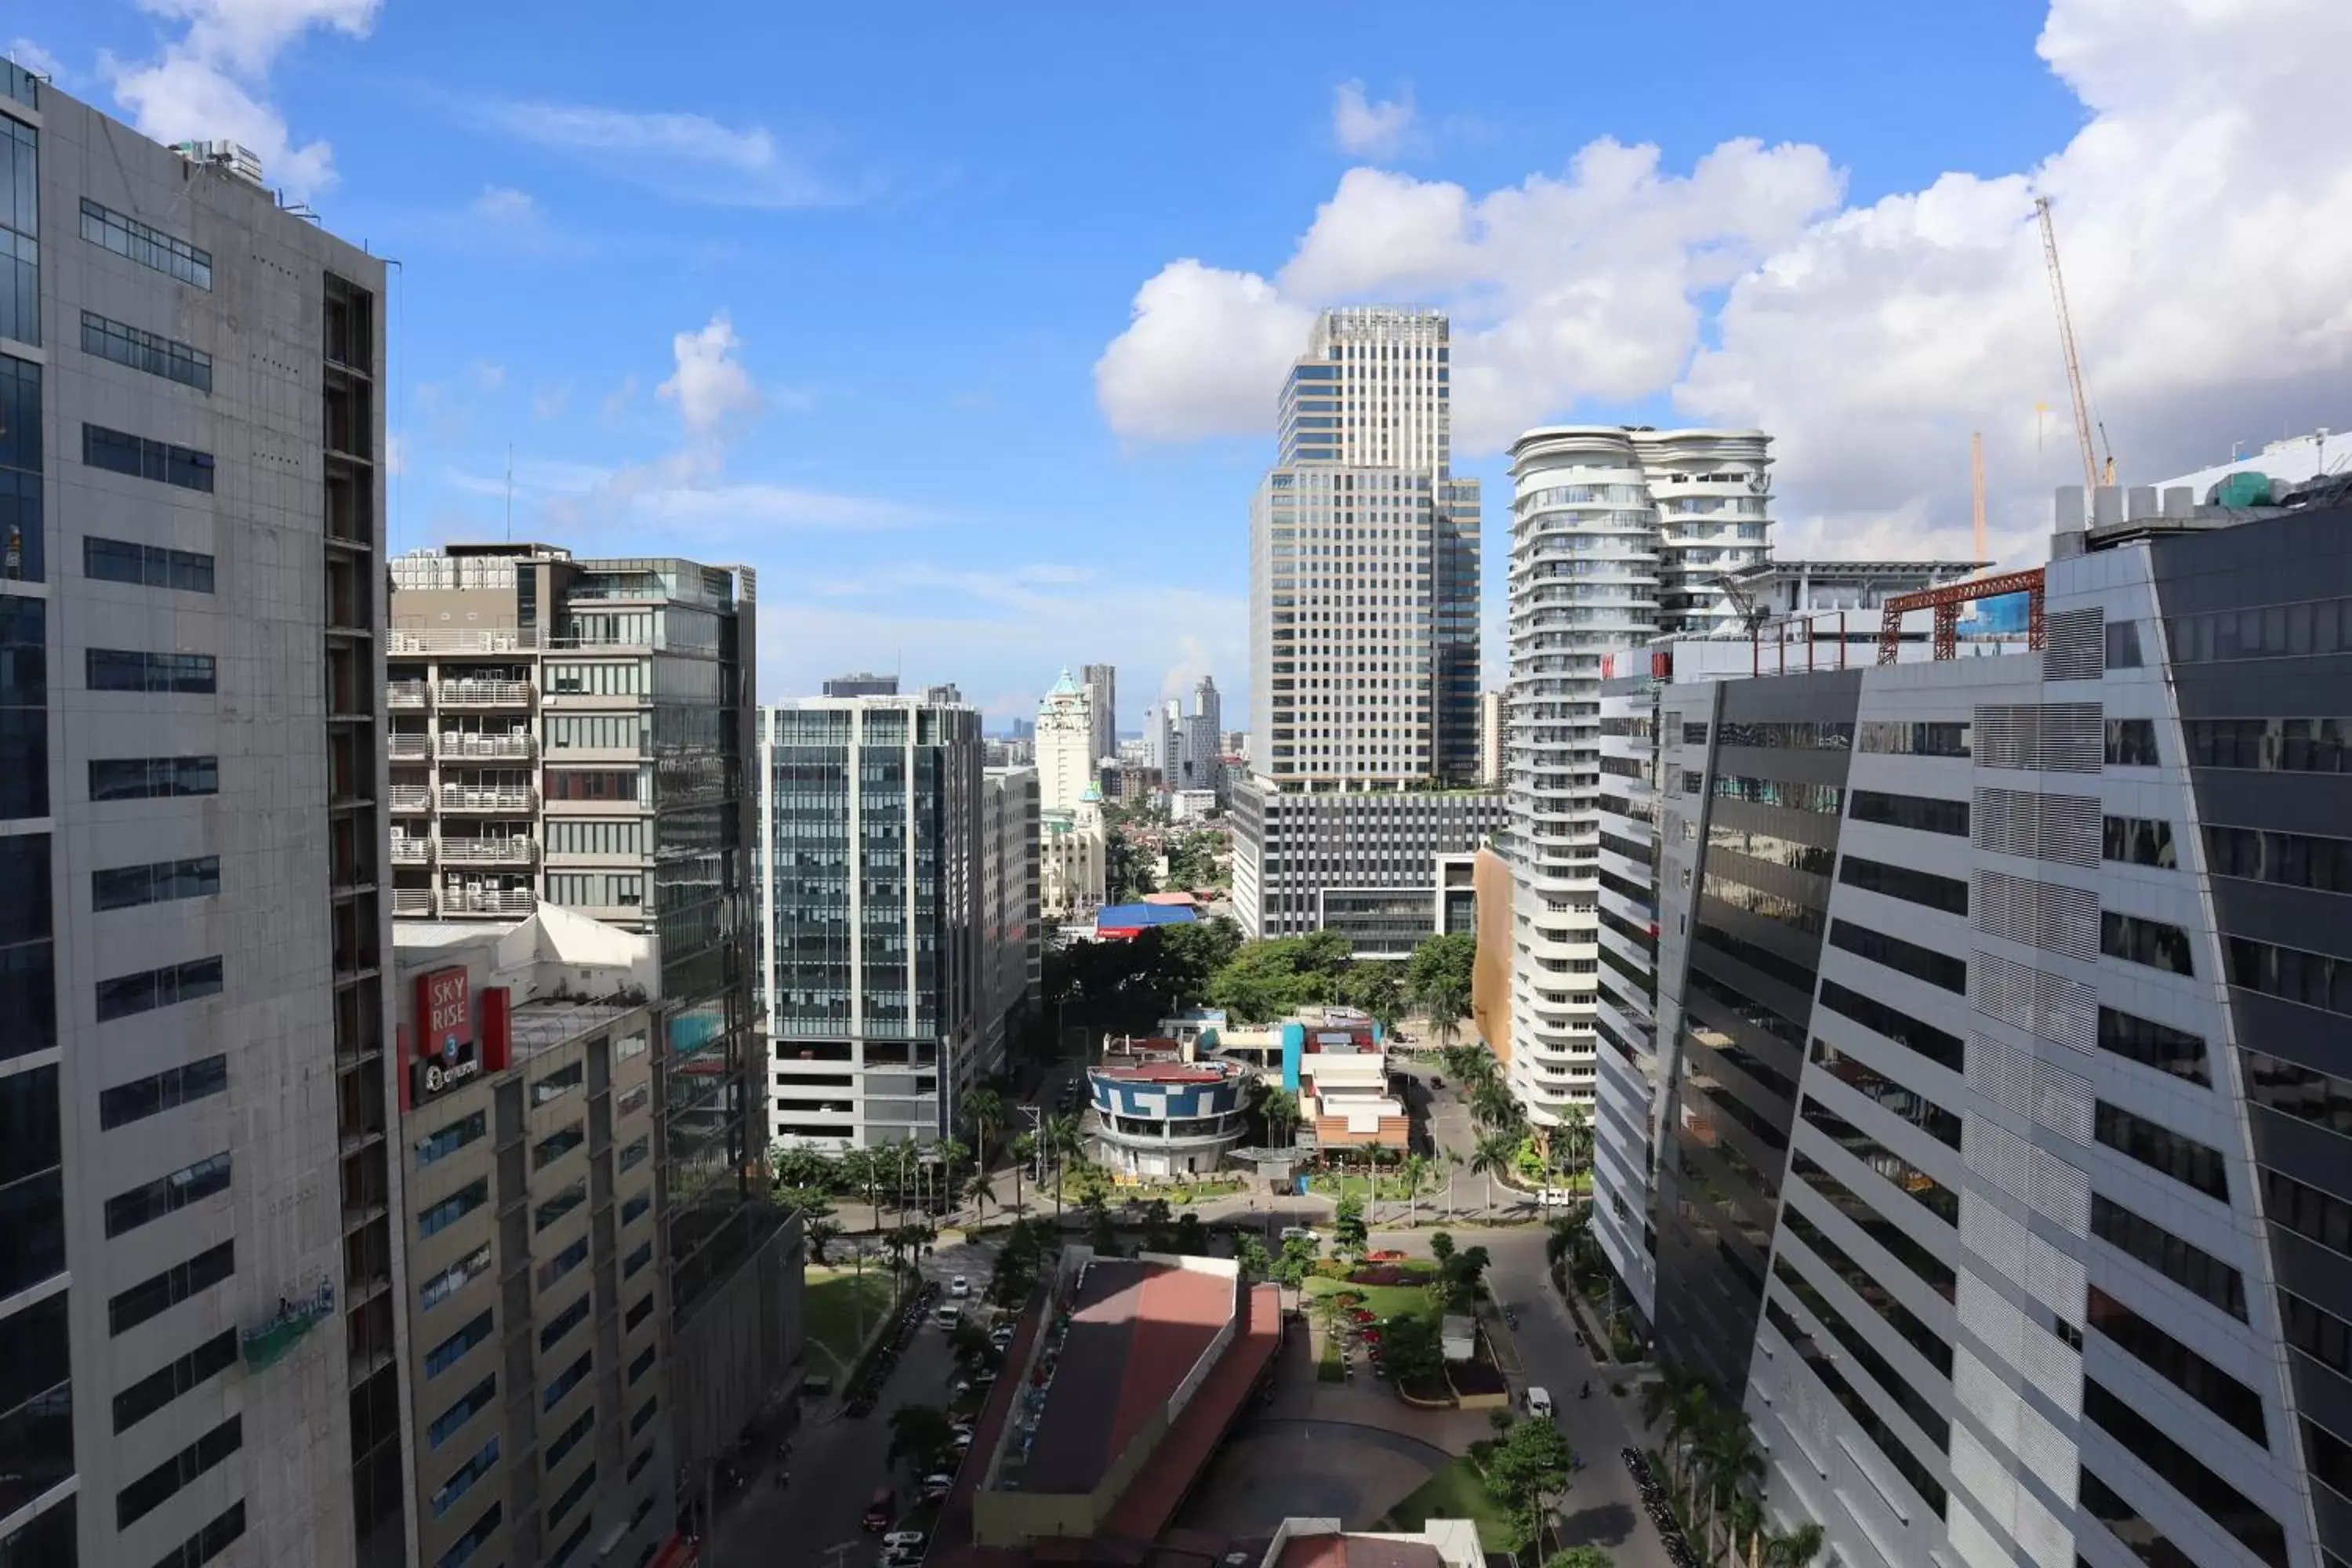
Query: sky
[963, 325]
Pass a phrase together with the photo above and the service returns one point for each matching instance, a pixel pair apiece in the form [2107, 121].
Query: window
[596, 889]
[1946, 893]
[557, 1144]
[1923, 739]
[565, 1200]
[1933, 1346]
[2268, 631]
[452, 1350]
[562, 1263]
[147, 778]
[2290, 973]
[119, 452]
[558, 1083]
[450, 1139]
[2192, 1268]
[571, 1495]
[148, 247]
[593, 784]
[591, 835]
[2154, 1045]
[1921, 962]
[1792, 734]
[169, 1289]
[643, 1414]
[2224, 1395]
[2290, 859]
[158, 1389]
[126, 887]
[638, 1260]
[474, 1265]
[2316, 1332]
[1912, 1254]
[462, 1551]
[636, 1314]
[462, 1482]
[2131, 743]
[2123, 645]
[1922, 1411]
[2138, 841]
[122, 670]
[153, 988]
[2161, 1149]
[1865, 1416]
[1908, 1103]
[1944, 1049]
[159, 1092]
[2305, 1093]
[569, 1438]
[24, 701]
[2306, 1210]
[642, 1365]
[600, 731]
[1938, 1199]
[143, 349]
[439, 1216]
[2279, 745]
[629, 1102]
[1824, 798]
[565, 1382]
[152, 1200]
[151, 1490]
[633, 1153]
[1922, 814]
[148, 566]
[468, 1406]
[209, 1542]
[2139, 1537]
[596, 679]
[2228, 1508]
[2138, 939]
[551, 1333]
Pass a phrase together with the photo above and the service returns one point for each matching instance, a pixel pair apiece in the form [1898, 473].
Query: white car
[958, 1287]
[1299, 1233]
[937, 1487]
[904, 1541]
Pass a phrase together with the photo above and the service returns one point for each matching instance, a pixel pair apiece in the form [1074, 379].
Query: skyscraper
[1364, 619]
[1065, 745]
[1101, 681]
[197, 1271]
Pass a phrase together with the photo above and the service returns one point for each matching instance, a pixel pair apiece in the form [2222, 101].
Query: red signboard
[445, 1012]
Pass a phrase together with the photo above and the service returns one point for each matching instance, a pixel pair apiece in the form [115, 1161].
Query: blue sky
[824, 289]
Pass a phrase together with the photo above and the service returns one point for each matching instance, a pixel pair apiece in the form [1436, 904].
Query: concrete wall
[742, 1346]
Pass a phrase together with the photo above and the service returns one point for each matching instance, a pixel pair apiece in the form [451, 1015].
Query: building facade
[1101, 681]
[1065, 745]
[1491, 708]
[1074, 861]
[195, 1067]
[875, 971]
[1156, 1115]
[1012, 943]
[2000, 1167]
[1357, 862]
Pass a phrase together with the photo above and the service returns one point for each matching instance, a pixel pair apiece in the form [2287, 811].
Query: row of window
[438, 1216]
[126, 887]
[2136, 939]
[1945, 1050]
[1931, 1345]
[1948, 894]
[1790, 734]
[2138, 841]
[2270, 745]
[446, 1496]
[2224, 1395]
[456, 1277]
[1866, 1415]
[120, 452]
[2305, 1093]
[2314, 979]
[448, 1139]
[1932, 1267]
[2175, 1155]
[2186, 1474]
[1922, 813]
[2289, 859]
[155, 988]
[143, 350]
[127, 237]
[2154, 1045]
[1896, 738]
[464, 1408]
[123, 670]
[184, 1375]
[208, 1543]
[1938, 969]
[2277, 631]
[161, 1292]
[1827, 799]
[1937, 1198]
[2191, 1267]
[153, 1489]
[149, 778]
[158, 1092]
[1908, 1103]
[1923, 1411]
[150, 1201]
[1769, 848]
[147, 565]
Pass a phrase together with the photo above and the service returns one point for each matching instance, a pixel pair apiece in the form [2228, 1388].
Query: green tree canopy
[1437, 977]
[921, 1434]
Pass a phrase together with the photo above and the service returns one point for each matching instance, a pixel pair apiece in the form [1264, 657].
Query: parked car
[880, 1510]
[1540, 1403]
[958, 1287]
[1299, 1233]
[937, 1487]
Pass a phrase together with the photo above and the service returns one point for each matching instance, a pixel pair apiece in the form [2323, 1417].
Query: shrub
[1330, 1269]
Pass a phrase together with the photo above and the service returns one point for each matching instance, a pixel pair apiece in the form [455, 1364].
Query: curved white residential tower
[1712, 489]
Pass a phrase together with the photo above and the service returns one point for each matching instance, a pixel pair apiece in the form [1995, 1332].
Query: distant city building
[1191, 804]
[1138, 784]
[862, 684]
[879, 918]
[1163, 733]
[1101, 681]
[1073, 855]
[1065, 754]
[196, 1128]
[946, 696]
[1012, 944]
[1491, 706]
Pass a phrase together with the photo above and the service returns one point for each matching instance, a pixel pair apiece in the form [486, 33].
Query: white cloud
[489, 375]
[1366, 128]
[550, 402]
[2205, 277]
[618, 400]
[711, 386]
[395, 454]
[205, 84]
[36, 59]
[504, 204]
[688, 155]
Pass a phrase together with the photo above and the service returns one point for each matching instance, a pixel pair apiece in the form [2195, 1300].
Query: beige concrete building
[1066, 742]
[1073, 860]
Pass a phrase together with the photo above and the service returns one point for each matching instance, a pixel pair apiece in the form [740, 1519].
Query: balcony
[411, 904]
[489, 902]
[412, 797]
[475, 693]
[457, 797]
[488, 851]
[405, 693]
[408, 748]
[435, 642]
[411, 849]
[456, 743]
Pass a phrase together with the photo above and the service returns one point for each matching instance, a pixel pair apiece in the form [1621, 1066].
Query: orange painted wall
[1490, 972]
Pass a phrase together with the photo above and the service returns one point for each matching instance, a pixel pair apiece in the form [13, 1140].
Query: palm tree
[951, 1153]
[1063, 1140]
[862, 1169]
[1726, 1463]
[1414, 1169]
[1023, 1150]
[1493, 1151]
[984, 1107]
[980, 1189]
[1495, 1106]
[1280, 1108]
[1573, 1137]
[1794, 1550]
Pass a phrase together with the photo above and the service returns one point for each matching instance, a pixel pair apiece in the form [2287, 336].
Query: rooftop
[1165, 1071]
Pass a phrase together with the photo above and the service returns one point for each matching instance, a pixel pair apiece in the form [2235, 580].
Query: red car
[1372, 1337]
[1362, 1315]
[1386, 1255]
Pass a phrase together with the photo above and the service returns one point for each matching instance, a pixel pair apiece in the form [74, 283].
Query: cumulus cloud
[504, 204]
[2205, 276]
[711, 386]
[207, 83]
[25, 52]
[1366, 128]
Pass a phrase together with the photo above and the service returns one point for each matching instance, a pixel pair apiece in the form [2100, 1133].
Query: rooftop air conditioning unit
[226, 156]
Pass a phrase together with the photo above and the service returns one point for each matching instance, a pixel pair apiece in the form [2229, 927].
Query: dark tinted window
[1905, 1102]
[2189, 1267]
[2309, 1212]
[1938, 1047]
[159, 1092]
[151, 1490]
[1921, 962]
[24, 708]
[210, 1542]
[149, 565]
[120, 452]
[2256, 1531]
[1925, 814]
[1925, 740]
[2270, 745]
[150, 989]
[2211, 1386]
[140, 349]
[123, 669]
[2138, 841]
[28, 978]
[150, 1201]
[2139, 1537]
[2155, 1045]
[2138, 939]
[2290, 859]
[124, 887]
[2159, 1148]
[144, 778]
[1946, 893]
[36, 1407]
[172, 1286]
[2131, 743]
[158, 1389]
[2305, 1093]
[2313, 979]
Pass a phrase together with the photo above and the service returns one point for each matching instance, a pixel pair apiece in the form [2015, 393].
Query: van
[1539, 1403]
[880, 1510]
[947, 1317]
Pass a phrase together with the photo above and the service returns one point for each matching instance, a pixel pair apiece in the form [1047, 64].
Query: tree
[1250, 1253]
[1441, 1245]
[1581, 1557]
[1023, 1150]
[1528, 1465]
[1726, 1461]
[1064, 1139]
[1794, 1550]
[951, 1153]
[969, 1342]
[1330, 1313]
[1191, 1237]
[1279, 1110]
[984, 1108]
[1497, 1109]
[980, 1189]
[1297, 1256]
[921, 1435]
[1437, 979]
[1269, 979]
[1375, 990]
[1490, 1154]
[862, 1169]
[820, 1234]
[1348, 1234]
[1158, 1220]
[1186, 958]
[1409, 1342]
[796, 1166]
[1563, 1238]
[1413, 1171]
[1100, 1234]
[1462, 1278]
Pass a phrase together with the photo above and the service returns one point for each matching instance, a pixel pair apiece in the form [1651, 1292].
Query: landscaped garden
[835, 1300]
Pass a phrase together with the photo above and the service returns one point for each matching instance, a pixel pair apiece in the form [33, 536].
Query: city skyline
[666, 187]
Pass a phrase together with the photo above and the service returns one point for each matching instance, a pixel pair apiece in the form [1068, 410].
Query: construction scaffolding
[1946, 601]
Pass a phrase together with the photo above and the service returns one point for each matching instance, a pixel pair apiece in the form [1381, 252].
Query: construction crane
[2091, 471]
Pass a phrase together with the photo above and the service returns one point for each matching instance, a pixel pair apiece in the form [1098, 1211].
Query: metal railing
[462, 744]
[489, 902]
[485, 693]
[411, 900]
[405, 693]
[457, 797]
[491, 849]
[408, 748]
[411, 797]
[411, 849]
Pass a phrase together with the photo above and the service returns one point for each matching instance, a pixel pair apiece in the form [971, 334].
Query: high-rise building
[1065, 745]
[1012, 943]
[1101, 681]
[862, 684]
[1491, 730]
[879, 978]
[198, 1271]
[1364, 555]
[1163, 733]
[578, 733]
[1593, 561]
[1998, 1156]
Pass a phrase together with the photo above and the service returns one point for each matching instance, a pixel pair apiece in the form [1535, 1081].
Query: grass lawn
[833, 1298]
[1387, 1301]
[1455, 1490]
